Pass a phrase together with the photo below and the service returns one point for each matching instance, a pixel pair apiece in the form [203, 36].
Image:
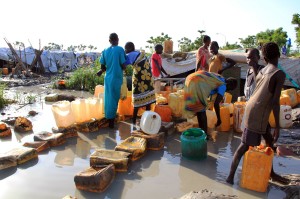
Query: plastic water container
[292, 93]
[160, 99]
[95, 108]
[164, 111]
[285, 100]
[176, 103]
[241, 99]
[194, 144]
[99, 89]
[150, 122]
[231, 109]
[225, 117]
[239, 109]
[125, 106]
[211, 119]
[227, 97]
[165, 94]
[168, 46]
[5, 71]
[101, 97]
[80, 109]
[285, 117]
[62, 113]
[257, 162]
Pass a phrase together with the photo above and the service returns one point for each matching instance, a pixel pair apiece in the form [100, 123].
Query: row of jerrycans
[231, 113]
[175, 101]
[81, 110]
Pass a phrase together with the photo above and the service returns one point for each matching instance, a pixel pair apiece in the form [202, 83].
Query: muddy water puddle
[159, 174]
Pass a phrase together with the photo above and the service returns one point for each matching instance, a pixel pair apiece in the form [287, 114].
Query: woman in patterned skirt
[142, 81]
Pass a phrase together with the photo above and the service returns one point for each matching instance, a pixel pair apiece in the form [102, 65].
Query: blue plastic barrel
[194, 144]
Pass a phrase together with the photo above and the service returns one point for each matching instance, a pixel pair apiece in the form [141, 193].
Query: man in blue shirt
[113, 63]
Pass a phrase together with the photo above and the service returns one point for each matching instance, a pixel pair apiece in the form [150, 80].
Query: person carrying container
[264, 99]
[198, 87]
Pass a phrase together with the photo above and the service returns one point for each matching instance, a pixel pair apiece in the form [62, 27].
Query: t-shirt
[215, 63]
[156, 70]
[131, 57]
[250, 82]
[202, 56]
[221, 89]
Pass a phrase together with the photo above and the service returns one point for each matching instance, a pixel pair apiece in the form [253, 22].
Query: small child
[156, 66]
[216, 61]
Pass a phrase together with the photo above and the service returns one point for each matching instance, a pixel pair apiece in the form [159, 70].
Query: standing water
[159, 174]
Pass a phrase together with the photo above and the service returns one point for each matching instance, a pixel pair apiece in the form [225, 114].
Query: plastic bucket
[194, 144]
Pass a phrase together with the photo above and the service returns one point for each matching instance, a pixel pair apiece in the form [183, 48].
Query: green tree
[72, 48]
[53, 46]
[248, 42]
[296, 21]
[157, 40]
[199, 40]
[91, 47]
[81, 47]
[229, 46]
[186, 45]
[278, 36]
[19, 44]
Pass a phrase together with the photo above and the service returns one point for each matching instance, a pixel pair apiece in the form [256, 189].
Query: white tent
[52, 60]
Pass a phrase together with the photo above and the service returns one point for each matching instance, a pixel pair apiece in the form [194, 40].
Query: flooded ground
[159, 174]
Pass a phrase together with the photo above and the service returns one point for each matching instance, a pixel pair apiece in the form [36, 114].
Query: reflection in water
[82, 148]
[124, 130]
[20, 135]
[7, 172]
[29, 163]
[173, 145]
[115, 190]
[148, 177]
[65, 157]
[150, 165]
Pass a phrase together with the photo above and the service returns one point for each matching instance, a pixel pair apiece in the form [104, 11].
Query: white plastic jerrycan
[63, 114]
[285, 116]
[80, 109]
[99, 89]
[150, 122]
[95, 108]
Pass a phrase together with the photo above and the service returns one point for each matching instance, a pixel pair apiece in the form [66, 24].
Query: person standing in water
[113, 63]
[198, 87]
[264, 99]
[142, 81]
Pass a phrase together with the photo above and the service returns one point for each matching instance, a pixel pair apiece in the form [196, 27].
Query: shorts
[252, 138]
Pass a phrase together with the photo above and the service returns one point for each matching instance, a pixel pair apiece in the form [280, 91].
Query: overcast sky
[74, 22]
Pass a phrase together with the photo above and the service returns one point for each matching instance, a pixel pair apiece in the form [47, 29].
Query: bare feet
[111, 123]
[218, 123]
[277, 178]
[229, 180]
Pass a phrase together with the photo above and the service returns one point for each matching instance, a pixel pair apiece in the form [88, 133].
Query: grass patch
[85, 78]
[3, 101]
